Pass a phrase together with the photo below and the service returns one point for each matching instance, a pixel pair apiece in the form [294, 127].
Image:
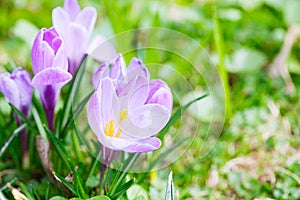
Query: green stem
[127, 165]
[221, 67]
[76, 147]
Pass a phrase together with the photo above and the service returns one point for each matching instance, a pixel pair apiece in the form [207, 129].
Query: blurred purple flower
[50, 66]
[17, 89]
[127, 109]
[75, 27]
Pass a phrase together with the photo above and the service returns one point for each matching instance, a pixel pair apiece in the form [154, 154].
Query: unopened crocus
[75, 27]
[17, 89]
[128, 109]
[50, 66]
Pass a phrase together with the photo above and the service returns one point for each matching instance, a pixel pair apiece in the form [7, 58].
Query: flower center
[110, 126]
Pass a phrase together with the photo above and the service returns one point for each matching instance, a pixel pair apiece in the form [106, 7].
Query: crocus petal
[51, 76]
[49, 35]
[108, 103]
[138, 97]
[93, 113]
[118, 68]
[72, 8]
[77, 38]
[75, 45]
[145, 121]
[100, 73]
[42, 54]
[60, 59]
[23, 81]
[61, 21]
[87, 18]
[161, 94]
[134, 82]
[10, 90]
[145, 145]
[136, 68]
[101, 50]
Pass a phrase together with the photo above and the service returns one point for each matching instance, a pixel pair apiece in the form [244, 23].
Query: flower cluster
[127, 109]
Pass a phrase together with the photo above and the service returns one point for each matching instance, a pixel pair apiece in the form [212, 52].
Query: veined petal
[87, 18]
[23, 81]
[42, 54]
[100, 73]
[10, 90]
[109, 103]
[161, 94]
[126, 88]
[61, 21]
[49, 35]
[145, 121]
[72, 8]
[135, 68]
[51, 76]
[75, 45]
[60, 59]
[22, 75]
[145, 145]
[138, 96]
[118, 68]
[93, 114]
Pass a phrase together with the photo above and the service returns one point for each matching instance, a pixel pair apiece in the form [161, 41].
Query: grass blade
[66, 183]
[11, 138]
[60, 149]
[22, 116]
[119, 176]
[76, 112]
[219, 41]
[170, 190]
[67, 160]
[39, 124]
[122, 189]
[176, 115]
[70, 96]
[165, 153]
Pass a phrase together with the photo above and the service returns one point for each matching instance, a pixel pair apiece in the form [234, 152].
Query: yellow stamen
[123, 115]
[119, 133]
[109, 128]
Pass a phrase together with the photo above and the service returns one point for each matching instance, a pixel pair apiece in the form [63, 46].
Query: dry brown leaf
[267, 176]
[279, 67]
[16, 193]
[241, 163]
[213, 178]
[43, 151]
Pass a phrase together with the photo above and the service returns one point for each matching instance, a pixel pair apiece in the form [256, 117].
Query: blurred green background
[258, 152]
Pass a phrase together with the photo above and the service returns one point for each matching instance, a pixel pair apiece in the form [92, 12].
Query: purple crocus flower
[50, 66]
[17, 89]
[75, 27]
[128, 109]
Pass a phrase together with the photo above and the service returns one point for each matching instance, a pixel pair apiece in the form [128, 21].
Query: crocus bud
[75, 27]
[17, 89]
[50, 66]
